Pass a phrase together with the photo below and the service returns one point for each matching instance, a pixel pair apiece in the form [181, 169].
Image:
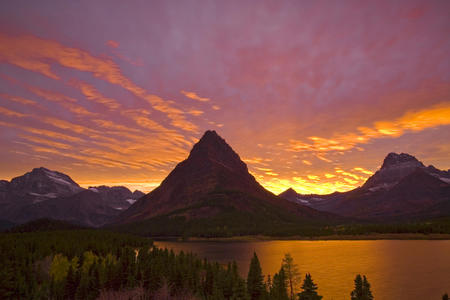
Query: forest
[96, 264]
[242, 224]
[48, 259]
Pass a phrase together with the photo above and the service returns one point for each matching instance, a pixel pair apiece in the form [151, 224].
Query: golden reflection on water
[395, 269]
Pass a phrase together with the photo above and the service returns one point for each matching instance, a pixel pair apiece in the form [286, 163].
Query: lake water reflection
[395, 269]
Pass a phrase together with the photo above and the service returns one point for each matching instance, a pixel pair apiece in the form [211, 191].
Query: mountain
[213, 187]
[43, 193]
[39, 185]
[291, 195]
[403, 188]
[36, 186]
[137, 194]
[117, 197]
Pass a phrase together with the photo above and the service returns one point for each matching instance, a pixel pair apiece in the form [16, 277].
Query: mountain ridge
[43, 193]
[213, 182]
[388, 193]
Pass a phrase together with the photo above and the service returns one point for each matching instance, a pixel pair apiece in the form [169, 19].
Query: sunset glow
[311, 94]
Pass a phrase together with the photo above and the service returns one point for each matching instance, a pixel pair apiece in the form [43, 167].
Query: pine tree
[208, 284]
[362, 289]
[255, 279]
[71, 284]
[309, 290]
[239, 291]
[367, 293]
[292, 274]
[357, 293]
[94, 282]
[278, 290]
[269, 283]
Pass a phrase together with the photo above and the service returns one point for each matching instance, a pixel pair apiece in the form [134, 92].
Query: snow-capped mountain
[43, 193]
[396, 167]
[403, 188]
[118, 197]
[43, 184]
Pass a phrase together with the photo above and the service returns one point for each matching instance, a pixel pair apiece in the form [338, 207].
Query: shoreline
[363, 237]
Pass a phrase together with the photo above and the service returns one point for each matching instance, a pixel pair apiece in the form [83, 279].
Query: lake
[396, 269]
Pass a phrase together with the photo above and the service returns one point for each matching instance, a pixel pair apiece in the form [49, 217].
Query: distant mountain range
[43, 193]
[212, 193]
[402, 189]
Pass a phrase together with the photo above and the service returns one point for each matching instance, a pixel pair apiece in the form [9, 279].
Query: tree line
[239, 223]
[92, 264]
[284, 285]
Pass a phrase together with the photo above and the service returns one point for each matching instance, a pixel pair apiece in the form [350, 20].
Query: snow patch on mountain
[59, 180]
[131, 201]
[447, 180]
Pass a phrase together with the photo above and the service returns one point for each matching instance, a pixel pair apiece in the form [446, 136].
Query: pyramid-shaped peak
[394, 159]
[210, 133]
[212, 146]
[290, 191]
[211, 136]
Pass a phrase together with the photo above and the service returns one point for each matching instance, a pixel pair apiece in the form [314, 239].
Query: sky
[311, 94]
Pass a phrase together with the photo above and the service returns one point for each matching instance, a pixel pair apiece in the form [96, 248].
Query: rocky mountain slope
[403, 188]
[43, 193]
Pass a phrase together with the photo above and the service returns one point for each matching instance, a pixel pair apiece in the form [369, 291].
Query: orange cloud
[195, 112]
[264, 169]
[142, 119]
[92, 94]
[351, 181]
[19, 100]
[321, 157]
[340, 171]
[437, 115]
[306, 185]
[11, 113]
[45, 142]
[11, 51]
[112, 44]
[362, 170]
[44, 132]
[111, 125]
[61, 99]
[34, 54]
[194, 96]
[254, 160]
[271, 173]
[71, 126]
